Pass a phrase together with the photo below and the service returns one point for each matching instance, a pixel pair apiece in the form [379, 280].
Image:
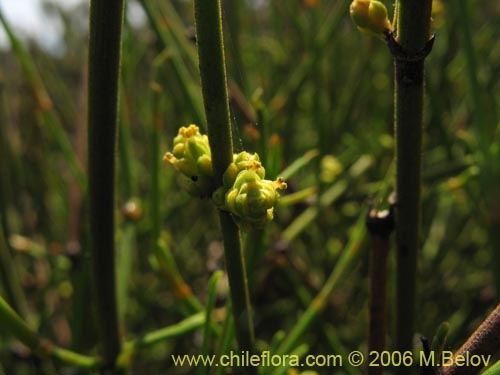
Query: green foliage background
[302, 79]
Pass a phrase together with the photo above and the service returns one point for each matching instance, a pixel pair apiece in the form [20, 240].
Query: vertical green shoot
[215, 97]
[413, 24]
[106, 20]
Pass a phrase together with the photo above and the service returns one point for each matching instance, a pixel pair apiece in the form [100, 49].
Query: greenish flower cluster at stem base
[245, 192]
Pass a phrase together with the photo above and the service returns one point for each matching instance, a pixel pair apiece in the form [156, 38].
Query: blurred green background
[307, 90]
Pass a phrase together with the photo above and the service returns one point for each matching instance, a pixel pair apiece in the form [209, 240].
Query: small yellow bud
[252, 199]
[191, 156]
[204, 164]
[370, 16]
[242, 161]
[230, 175]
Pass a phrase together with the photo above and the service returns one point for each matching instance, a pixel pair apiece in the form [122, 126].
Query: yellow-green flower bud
[242, 161]
[191, 156]
[252, 199]
[370, 16]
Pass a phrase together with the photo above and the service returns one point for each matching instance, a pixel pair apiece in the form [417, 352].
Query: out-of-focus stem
[485, 341]
[11, 323]
[380, 226]
[106, 18]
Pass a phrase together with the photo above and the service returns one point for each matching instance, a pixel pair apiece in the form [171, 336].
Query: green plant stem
[106, 20]
[168, 267]
[226, 339]
[155, 130]
[482, 133]
[164, 257]
[212, 296]
[344, 265]
[48, 117]
[484, 130]
[233, 12]
[304, 68]
[493, 370]
[215, 97]
[236, 271]
[11, 323]
[9, 277]
[213, 81]
[185, 326]
[182, 74]
[128, 229]
[413, 22]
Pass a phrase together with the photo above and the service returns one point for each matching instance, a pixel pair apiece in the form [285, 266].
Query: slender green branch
[484, 130]
[236, 271]
[11, 323]
[130, 348]
[106, 18]
[215, 97]
[212, 296]
[171, 43]
[81, 361]
[226, 339]
[9, 277]
[187, 325]
[213, 82]
[233, 12]
[413, 22]
[350, 254]
[48, 116]
[493, 370]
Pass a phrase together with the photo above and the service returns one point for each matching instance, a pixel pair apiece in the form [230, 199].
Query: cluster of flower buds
[370, 16]
[191, 156]
[245, 192]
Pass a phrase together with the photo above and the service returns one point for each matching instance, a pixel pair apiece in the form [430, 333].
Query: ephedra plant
[243, 188]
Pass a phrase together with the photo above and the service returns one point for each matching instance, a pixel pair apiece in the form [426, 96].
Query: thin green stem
[106, 20]
[233, 12]
[155, 157]
[343, 266]
[81, 361]
[48, 117]
[413, 20]
[215, 97]
[493, 370]
[226, 339]
[127, 240]
[12, 324]
[9, 277]
[185, 326]
[236, 271]
[182, 74]
[213, 81]
[212, 295]
[484, 130]
[170, 271]
[166, 261]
